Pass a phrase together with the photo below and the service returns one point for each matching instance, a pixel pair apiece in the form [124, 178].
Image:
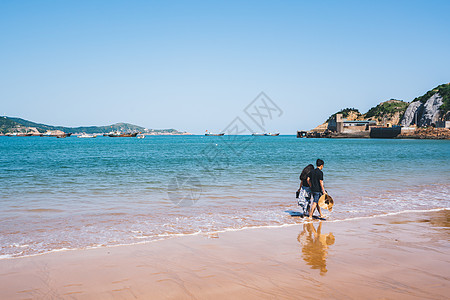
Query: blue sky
[195, 65]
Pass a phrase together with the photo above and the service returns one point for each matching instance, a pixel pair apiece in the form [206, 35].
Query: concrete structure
[443, 124]
[340, 125]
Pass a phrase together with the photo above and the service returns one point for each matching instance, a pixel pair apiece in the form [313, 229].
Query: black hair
[319, 162]
[306, 171]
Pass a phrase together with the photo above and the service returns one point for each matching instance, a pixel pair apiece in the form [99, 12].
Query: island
[425, 117]
[11, 126]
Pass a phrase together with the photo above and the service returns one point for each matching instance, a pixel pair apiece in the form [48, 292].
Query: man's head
[319, 163]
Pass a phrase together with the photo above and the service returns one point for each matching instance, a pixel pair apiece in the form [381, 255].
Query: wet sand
[405, 256]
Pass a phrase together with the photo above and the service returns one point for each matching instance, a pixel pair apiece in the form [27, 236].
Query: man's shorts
[316, 196]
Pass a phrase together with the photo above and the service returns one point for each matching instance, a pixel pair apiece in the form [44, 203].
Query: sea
[73, 193]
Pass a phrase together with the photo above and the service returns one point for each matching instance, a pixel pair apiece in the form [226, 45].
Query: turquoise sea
[73, 193]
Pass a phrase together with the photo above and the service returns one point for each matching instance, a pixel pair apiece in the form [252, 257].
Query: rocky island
[425, 117]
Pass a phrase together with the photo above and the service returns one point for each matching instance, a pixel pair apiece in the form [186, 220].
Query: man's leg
[312, 210]
[316, 197]
[320, 212]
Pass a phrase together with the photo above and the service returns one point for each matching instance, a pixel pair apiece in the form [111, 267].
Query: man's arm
[309, 180]
[322, 187]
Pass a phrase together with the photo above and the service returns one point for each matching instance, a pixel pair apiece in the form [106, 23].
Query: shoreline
[254, 264]
[226, 230]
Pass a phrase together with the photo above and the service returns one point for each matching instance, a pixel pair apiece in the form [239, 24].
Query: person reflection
[315, 246]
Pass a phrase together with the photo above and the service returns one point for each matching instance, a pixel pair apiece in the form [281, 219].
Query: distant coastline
[20, 127]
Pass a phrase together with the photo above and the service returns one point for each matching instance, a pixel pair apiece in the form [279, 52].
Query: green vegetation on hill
[384, 111]
[345, 112]
[123, 127]
[38, 126]
[387, 108]
[8, 124]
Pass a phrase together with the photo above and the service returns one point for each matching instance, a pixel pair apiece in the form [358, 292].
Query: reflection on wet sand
[440, 219]
[315, 246]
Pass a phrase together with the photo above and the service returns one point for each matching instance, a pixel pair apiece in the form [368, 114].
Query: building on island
[340, 125]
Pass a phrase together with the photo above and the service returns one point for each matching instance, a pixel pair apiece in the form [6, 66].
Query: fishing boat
[214, 134]
[121, 134]
[87, 136]
[272, 134]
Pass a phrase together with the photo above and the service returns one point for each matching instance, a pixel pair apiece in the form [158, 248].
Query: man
[315, 181]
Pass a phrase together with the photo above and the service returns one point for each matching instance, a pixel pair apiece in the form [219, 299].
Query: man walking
[315, 181]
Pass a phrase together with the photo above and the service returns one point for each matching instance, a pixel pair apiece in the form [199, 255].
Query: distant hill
[10, 124]
[390, 111]
[7, 124]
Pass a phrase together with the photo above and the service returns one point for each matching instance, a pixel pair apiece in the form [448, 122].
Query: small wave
[166, 236]
[39, 210]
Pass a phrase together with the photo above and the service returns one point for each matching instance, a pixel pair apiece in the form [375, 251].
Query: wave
[166, 236]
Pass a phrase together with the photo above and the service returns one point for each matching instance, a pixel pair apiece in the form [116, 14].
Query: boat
[59, 136]
[87, 136]
[121, 134]
[258, 134]
[272, 134]
[141, 136]
[213, 134]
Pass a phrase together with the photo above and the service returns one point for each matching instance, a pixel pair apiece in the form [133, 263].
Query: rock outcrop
[412, 113]
[423, 114]
[431, 112]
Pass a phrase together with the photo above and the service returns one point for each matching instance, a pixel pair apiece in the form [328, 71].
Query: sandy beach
[403, 256]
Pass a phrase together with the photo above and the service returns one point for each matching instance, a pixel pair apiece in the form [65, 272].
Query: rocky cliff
[429, 109]
[423, 114]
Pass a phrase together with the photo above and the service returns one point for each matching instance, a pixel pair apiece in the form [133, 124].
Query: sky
[196, 65]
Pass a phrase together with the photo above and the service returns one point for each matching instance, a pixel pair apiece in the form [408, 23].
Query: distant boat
[63, 135]
[141, 136]
[214, 134]
[272, 134]
[121, 134]
[87, 136]
[259, 134]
